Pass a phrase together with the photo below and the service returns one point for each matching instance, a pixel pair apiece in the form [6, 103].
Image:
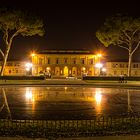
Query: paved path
[129, 84]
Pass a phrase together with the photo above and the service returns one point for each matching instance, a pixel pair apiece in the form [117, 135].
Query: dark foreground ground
[81, 138]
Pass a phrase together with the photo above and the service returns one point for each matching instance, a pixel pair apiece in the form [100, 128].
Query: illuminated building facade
[14, 67]
[65, 63]
[120, 68]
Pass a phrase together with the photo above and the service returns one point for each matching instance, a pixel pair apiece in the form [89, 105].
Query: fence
[65, 128]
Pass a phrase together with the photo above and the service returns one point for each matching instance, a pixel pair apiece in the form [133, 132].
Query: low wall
[109, 78]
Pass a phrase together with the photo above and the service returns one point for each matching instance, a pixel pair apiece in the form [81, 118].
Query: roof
[66, 52]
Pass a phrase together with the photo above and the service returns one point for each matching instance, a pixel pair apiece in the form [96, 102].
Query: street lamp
[28, 67]
[99, 55]
[99, 66]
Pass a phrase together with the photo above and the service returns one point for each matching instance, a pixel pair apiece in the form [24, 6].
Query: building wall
[14, 68]
[64, 64]
[120, 68]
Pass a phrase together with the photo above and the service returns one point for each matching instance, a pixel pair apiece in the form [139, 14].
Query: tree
[122, 31]
[13, 23]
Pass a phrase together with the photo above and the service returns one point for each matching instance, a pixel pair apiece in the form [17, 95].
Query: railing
[65, 128]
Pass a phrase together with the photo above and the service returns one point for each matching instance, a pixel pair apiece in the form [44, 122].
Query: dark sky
[71, 25]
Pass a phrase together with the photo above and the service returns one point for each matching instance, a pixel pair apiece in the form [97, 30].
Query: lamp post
[28, 68]
[99, 66]
[104, 71]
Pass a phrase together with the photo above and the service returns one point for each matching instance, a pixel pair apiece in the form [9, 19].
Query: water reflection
[5, 105]
[66, 102]
[129, 102]
[30, 97]
[98, 99]
[28, 94]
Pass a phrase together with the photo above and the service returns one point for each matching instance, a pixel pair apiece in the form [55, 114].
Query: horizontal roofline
[65, 52]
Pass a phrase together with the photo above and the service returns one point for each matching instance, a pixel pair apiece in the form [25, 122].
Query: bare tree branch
[2, 53]
[123, 42]
[5, 37]
[135, 48]
[15, 34]
[123, 47]
[129, 38]
[134, 32]
[126, 39]
[1, 108]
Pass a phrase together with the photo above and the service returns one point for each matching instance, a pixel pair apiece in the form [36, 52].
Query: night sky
[71, 25]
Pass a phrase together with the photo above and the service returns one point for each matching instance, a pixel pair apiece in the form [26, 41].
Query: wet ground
[71, 102]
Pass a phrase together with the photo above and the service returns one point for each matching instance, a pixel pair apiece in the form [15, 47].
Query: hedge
[21, 77]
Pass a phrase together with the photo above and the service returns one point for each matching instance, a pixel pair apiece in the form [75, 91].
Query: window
[115, 72]
[9, 64]
[57, 60]
[74, 61]
[40, 61]
[122, 72]
[83, 61]
[65, 60]
[135, 66]
[135, 73]
[9, 71]
[91, 61]
[113, 65]
[121, 65]
[16, 64]
[48, 60]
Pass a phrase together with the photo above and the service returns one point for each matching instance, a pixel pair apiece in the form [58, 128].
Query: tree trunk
[4, 61]
[129, 65]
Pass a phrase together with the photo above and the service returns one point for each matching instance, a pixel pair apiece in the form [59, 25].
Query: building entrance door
[66, 71]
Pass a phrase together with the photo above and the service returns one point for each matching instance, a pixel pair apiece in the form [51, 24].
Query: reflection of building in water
[48, 94]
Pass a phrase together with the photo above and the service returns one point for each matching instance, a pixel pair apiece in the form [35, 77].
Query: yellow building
[62, 63]
[14, 67]
[120, 68]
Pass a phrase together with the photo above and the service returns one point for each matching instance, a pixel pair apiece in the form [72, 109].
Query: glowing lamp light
[84, 68]
[32, 53]
[27, 69]
[99, 65]
[28, 65]
[48, 68]
[99, 55]
[104, 69]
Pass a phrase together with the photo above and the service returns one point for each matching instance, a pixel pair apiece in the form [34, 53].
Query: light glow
[98, 65]
[99, 55]
[104, 69]
[28, 66]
